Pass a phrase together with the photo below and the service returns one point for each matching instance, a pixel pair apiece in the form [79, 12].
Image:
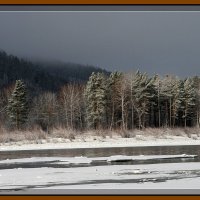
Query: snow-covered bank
[100, 142]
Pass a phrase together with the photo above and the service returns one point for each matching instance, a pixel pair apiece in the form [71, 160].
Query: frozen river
[175, 167]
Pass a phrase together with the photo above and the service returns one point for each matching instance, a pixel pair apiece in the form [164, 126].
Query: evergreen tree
[188, 100]
[114, 83]
[17, 108]
[95, 94]
[176, 100]
[171, 99]
[196, 80]
[143, 92]
[157, 100]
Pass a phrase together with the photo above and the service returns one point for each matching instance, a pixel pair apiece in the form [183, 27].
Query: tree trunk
[80, 118]
[143, 123]
[17, 121]
[112, 117]
[185, 120]
[170, 113]
[71, 116]
[159, 108]
[123, 120]
[198, 119]
[166, 115]
[132, 117]
[66, 115]
[140, 123]
[173, 117]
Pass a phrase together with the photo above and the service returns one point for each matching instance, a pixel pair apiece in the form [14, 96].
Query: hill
[48, 76]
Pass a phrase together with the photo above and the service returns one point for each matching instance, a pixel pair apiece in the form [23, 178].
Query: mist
[154, 42]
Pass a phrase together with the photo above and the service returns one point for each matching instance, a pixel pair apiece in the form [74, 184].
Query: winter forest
[106, 101]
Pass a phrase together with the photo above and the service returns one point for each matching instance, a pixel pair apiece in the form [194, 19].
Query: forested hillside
[69, 72]
[78, 98]
[42, 75]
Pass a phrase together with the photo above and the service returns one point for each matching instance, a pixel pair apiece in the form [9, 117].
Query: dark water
[103, 152]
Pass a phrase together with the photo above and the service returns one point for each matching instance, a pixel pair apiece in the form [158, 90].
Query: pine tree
[157, 86]
[95, 94]
[175, 100]
[114, 83]
[196, 80]
[143, 92]
[17, 108]
[171, 99]
[188, 100]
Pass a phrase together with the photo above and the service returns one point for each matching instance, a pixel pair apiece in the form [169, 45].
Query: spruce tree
[196, 81]
[143, 92]
[17, 108]
[170, 99]
[188, 100]
[157, 100]
[175, 100]
[114, 83]
[95, 95]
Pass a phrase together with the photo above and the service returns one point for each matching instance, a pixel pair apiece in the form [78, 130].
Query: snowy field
[182, 175]
[99, 142]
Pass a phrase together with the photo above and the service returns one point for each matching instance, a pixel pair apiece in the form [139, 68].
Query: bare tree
[71, 99]
[45, 110]
[123, 99]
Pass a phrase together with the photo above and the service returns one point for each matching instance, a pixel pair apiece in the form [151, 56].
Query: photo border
[98, 2]
[106, 2]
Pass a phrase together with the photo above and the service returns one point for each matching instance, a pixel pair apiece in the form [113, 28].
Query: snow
[98, 142]
[174, 175]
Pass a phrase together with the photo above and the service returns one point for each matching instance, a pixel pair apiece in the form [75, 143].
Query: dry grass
[190, 132]
[36, 135]
[16, 136]
[126, 133]
[64, 133]
[99, 133]
[163, 132]
[160, 132]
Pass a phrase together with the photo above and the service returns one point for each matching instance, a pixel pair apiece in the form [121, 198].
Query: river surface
[100, 173]
[105, 152]
[102, 152]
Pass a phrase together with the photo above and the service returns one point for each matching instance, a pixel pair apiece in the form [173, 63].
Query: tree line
[106, 101]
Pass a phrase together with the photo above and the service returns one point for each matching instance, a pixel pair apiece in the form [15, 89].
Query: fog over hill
[42, 75]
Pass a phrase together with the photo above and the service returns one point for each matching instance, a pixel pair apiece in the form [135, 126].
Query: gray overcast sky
[155, 42]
